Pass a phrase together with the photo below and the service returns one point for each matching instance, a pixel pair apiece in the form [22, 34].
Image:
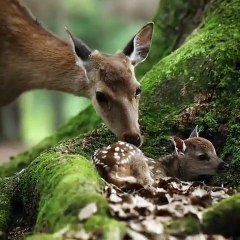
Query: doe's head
[112, 85]
[198, 157]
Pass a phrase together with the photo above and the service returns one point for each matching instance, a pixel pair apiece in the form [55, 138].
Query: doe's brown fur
[33, 58]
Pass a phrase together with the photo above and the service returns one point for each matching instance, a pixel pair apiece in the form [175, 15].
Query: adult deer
[33, 58]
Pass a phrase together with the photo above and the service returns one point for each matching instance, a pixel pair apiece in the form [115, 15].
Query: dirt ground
[9, 149]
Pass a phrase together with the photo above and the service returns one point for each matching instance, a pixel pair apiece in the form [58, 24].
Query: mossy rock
[223, 218]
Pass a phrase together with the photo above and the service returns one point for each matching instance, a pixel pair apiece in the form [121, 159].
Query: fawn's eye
[202, 157]
[138, 92]
[102, 98]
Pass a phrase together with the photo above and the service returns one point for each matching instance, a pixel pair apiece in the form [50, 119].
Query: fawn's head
[197, 157]
[112, 85]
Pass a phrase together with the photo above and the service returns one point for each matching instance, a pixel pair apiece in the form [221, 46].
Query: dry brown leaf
[82, 235]
[135, 235]
[147, 212]
[153, 226]
[87, 211]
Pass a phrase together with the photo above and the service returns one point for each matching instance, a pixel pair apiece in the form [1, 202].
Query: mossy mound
[55, 187]
[223, 218]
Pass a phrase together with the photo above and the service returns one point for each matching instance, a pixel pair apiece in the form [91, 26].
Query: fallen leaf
[87, 211]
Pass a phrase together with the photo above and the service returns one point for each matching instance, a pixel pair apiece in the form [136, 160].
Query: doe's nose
[134, 139]
[223, 166]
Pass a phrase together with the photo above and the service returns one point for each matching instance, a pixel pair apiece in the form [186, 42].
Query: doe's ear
[81, 50]
[195, 132]
[180, 146]
[138, 48]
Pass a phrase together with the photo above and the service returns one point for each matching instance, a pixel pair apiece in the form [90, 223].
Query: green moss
[207, 63]
[55, 187]
[5, 204]
[111, 229]
[105, 228]
[43, 237]
[83, 122]
[223, 218]
[189, 225]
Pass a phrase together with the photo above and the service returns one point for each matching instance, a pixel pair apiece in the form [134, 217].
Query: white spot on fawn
[132, 153]
[117, 149]
[117, 157]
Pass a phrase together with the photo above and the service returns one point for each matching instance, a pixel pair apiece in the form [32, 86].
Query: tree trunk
[174, 21]
[196, 84]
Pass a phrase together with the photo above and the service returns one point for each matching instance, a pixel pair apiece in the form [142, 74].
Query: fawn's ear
[139, 46]
[180, 146]
[80, 49]
[195, 132]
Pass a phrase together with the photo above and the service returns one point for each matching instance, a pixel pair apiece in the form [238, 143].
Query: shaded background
[106, 25]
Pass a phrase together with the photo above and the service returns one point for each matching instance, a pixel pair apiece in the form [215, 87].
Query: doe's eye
[101, 98]
[138, 92]
[202, 157]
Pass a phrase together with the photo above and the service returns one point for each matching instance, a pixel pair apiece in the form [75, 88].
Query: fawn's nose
[134, 139]
[223, 166]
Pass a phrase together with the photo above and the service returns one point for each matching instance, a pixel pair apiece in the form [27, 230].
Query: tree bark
[174, 21]
[196, 84]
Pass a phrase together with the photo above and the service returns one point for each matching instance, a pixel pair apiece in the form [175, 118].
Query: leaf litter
[148, 213]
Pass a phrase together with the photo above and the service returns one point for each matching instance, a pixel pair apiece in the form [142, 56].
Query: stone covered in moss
[223, 218]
